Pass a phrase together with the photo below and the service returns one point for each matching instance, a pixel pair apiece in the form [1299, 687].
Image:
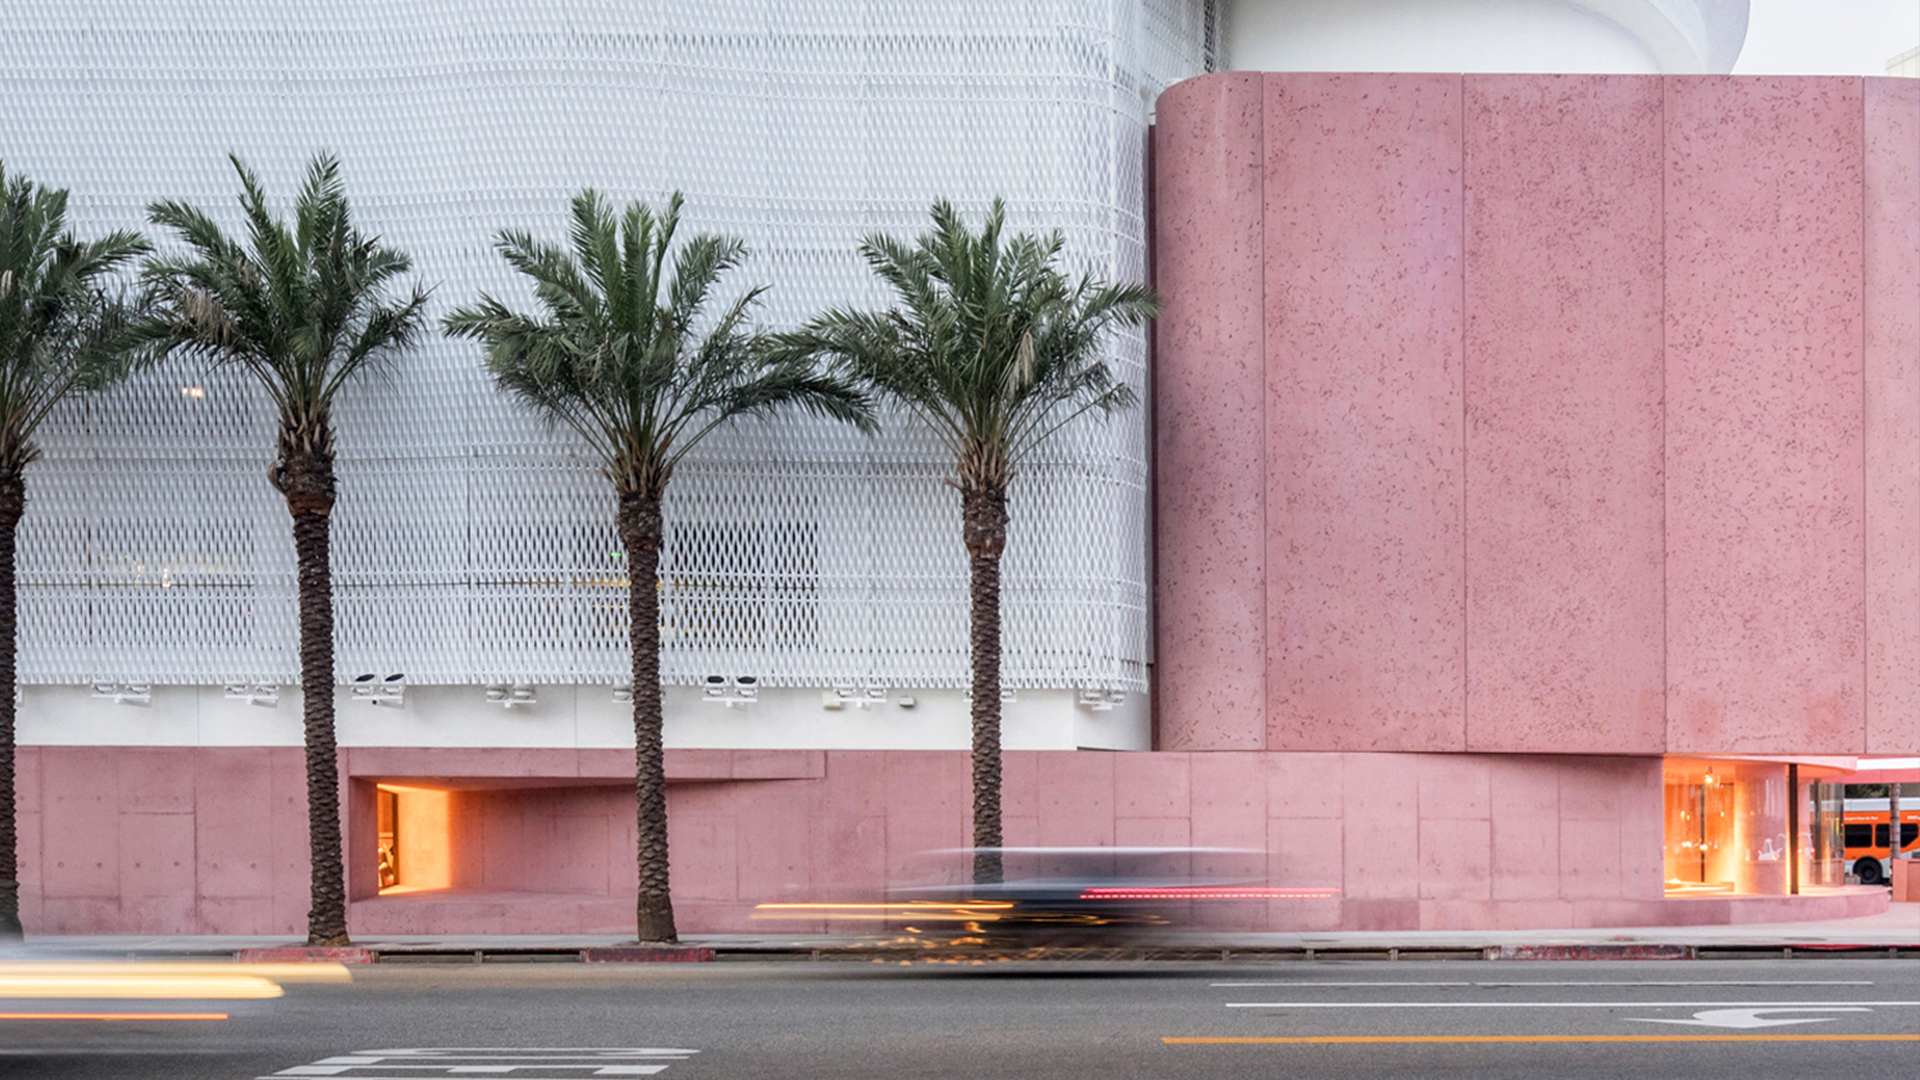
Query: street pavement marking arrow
[1752, 1018]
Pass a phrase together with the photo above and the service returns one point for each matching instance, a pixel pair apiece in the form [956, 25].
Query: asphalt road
[1747, 1019]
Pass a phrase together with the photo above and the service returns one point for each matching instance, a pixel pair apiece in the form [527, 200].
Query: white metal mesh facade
[473, 545]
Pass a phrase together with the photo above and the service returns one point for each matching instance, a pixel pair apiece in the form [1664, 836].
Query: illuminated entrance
[415, 838]
[1751, 827]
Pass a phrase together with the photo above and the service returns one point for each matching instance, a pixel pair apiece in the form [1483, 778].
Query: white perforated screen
[473, 545]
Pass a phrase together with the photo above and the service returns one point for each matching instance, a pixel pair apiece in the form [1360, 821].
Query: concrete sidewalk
[1898, 927]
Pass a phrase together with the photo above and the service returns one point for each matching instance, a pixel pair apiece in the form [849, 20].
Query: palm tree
[617, 355]
[995, 349]
[60, 331]
[304, 310]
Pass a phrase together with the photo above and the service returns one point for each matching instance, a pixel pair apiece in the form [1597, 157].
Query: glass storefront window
[1824, 842]
[1726, 827]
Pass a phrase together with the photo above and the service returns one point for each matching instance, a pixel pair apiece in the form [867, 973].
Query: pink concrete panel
[1589, 859]
[1642, 828]
[1534, 914]
[363, 839]
[693, 764]
[1365, 625]
[1458, 914]
[1151, 785]
[1589, 789]
[290, 867]
[1765, 459]
[1892, 315]
[1455, 859]
[234, 827]
[1380, 915]
[1525, 858]
[1153, 832]
[1209, 441]
[1524, 806]
[156, 856]
[157, 780]
[1021, 830]
[1564, 366]
[80, 822]
[1076, 799]
[1229, 803]
[1453, 786]
[773, 841]
[929, 804]
[778, 764]
[236, 915]
[1303, 785]
[1380, 826]
[1305, 853]
[157, 914]
[702, 852]
[850, 856]
[857, 782]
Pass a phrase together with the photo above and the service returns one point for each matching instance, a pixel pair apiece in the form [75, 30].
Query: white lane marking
[1561, 1004]
[1751, 1018]
[1647, 982]
[417, 1063]
[1344, 984]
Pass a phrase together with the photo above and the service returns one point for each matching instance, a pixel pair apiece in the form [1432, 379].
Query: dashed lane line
[1561, 1004]
[1252, 1040]
[1672, 982]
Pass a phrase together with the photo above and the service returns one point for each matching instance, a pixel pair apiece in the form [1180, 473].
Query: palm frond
[304, 308]
[623, 351]
[64, 320]
[988, 342]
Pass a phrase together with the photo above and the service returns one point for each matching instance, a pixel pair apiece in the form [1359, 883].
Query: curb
[646, 954]
[1590, 952]
[305, 954]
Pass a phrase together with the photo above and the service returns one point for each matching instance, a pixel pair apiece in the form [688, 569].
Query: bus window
[1862, 835]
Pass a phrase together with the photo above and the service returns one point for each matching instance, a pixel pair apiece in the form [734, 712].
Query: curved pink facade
[1585, 420]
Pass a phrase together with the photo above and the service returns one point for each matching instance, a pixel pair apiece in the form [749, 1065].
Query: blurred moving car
[1057, 895]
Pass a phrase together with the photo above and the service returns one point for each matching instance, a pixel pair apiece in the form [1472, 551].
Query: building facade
[1518, 534]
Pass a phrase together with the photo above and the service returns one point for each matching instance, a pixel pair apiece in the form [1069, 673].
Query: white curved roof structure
[1665, 37]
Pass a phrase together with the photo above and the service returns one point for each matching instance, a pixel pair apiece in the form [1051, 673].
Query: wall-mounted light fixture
[732, 690]
[390, 691]
[267, 694]
[138, 693]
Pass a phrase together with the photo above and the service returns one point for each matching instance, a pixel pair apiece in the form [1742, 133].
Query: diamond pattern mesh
[472, 544]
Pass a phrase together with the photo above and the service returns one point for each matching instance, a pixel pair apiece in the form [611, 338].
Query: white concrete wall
[586, 717]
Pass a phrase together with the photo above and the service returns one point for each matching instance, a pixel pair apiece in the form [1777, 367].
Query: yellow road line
[1251, 1040]
[113, 1016]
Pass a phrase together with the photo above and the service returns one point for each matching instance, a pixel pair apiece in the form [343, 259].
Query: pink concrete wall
[1592, 415]
[1364, 583]
[1210, 652]
[1411, 840]
[1765, 462]
[162, 840]
[1563, 389]
[1892, 312]
[175, 841]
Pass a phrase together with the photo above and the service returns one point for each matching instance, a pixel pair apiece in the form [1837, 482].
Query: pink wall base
[166, 841]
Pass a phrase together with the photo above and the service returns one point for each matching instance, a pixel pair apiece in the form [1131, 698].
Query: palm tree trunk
[311, 504]
[13, 503]
[641, 532]
[984, 516]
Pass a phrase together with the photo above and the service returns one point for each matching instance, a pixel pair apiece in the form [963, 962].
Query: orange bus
[1867, 830]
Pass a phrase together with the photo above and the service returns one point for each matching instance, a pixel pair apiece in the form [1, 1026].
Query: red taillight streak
[1205, 892]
